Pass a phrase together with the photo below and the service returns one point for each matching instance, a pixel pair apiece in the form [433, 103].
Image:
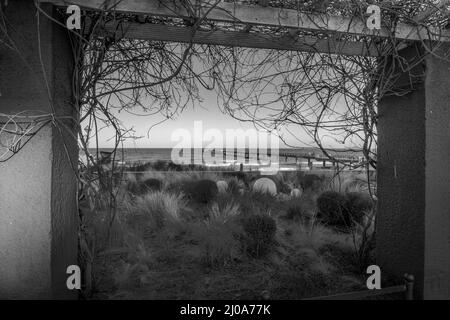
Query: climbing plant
[328, 96]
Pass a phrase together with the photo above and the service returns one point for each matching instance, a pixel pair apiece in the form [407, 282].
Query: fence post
[409, 283]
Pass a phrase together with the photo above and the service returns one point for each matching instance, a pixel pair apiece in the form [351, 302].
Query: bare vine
[327, 96]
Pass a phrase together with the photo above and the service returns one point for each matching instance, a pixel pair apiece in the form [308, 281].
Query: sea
[151, 155]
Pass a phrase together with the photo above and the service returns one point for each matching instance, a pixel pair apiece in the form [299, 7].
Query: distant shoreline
[290, 159]
[302, 149]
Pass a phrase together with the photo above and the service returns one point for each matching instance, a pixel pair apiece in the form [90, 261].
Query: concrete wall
[413, 224]
[25, 220]
[437, 178]
[38, 212]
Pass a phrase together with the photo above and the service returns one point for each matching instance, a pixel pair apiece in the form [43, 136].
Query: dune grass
[170, 247]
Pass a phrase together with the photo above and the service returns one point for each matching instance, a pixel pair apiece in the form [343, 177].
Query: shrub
[241, 176]
[160, 165]
[256, 202]
[311, 181]
[139, 167]
[235, 185]
[222, 186]
[224, 212]
[140, 188]
[174, 167]
[202, 191]
[154, 210]
[219, 242]
[265, 186]
[133, 187]
[333, 211]
[295, 210]
[296, 193]
[151, 185]
[260, 233]
[302, 209]
[139, 176]
[218, 236]
[354, 185]
[358, 205]
[284, 188]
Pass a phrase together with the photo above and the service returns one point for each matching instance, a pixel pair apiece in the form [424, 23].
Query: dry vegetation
[169, 244]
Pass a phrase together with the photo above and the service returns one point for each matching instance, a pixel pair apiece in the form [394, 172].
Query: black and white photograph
[241, 152]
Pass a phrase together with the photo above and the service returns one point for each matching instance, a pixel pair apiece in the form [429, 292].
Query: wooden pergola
[414, 136]
[334, 27]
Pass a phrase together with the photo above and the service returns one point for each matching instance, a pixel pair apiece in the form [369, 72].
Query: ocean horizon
[152, 155]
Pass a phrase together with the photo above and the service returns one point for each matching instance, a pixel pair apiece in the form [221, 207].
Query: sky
[209, 113]
[153, 134]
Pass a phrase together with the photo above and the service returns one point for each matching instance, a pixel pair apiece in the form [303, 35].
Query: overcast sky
[160, 136]
[208, 111]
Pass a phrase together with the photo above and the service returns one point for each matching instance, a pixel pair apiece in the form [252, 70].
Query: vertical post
[409, 284]
[38, 186]
[413, 219]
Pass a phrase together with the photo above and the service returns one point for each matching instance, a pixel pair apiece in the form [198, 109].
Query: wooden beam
[158, 32]
[429, 12]
[258, 15]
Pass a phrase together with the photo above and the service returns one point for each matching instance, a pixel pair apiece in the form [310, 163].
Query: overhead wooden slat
[429, 12]
[259, 15]
[236, 39]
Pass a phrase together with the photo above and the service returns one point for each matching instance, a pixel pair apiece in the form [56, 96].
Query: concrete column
[413, 223]
[38, 188]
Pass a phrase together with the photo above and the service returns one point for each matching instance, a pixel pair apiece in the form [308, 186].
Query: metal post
[409, 283]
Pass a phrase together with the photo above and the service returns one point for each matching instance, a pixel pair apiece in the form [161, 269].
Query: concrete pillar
[38, 209]
[413, 223]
